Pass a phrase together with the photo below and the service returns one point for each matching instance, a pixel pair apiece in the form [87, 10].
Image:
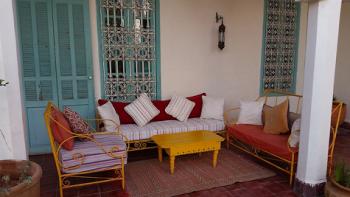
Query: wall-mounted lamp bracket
[221, 31]
[219, 17]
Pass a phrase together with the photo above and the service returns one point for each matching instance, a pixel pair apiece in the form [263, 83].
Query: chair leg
[60, 188]
[227, 141]
[123, 178]
[292, 170]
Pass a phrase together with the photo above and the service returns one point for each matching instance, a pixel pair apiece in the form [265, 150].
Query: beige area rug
[192, 173]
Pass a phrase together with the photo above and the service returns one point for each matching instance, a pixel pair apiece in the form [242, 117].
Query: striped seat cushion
[134, 132]
[93, 157]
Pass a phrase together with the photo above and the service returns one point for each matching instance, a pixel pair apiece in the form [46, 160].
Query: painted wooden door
[53, 68]
[73, 55]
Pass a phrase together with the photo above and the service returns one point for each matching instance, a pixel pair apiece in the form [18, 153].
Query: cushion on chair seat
[255, 136]
[134, 132]
[93, 157]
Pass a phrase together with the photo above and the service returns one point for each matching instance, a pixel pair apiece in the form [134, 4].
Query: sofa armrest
[231, 116]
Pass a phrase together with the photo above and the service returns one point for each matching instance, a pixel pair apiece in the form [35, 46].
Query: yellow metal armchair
[91, 157]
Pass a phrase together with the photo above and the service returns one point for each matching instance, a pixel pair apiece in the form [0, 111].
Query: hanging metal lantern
[221, 42]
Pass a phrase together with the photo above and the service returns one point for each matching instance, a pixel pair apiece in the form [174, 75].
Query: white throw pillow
[251, 112]
[108, 113]
[213, 108]
[142, 110]
[180, 108]
[294, 137]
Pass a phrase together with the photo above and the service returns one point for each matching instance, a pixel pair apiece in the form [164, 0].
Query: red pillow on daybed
[59, 133]
[160, 105]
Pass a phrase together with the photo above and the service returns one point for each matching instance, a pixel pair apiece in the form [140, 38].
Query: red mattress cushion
[255, 136]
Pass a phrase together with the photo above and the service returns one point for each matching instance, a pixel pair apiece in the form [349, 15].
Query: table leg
[215, 157]
[172, 164]
[160, 155]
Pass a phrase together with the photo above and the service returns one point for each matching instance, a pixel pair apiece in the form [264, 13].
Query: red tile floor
[273, 186]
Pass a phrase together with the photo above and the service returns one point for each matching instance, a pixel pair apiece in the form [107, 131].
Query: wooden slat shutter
[37, 51]
[35, 31]
[73, 64]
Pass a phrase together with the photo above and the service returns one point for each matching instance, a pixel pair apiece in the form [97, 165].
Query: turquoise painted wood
[73, 55]
[295, 49]
[129, 23]
[54, 68]
[38, 68]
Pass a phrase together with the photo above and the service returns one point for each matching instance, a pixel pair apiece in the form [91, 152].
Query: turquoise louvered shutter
[74, 69]
[54, 42]
[38, 67]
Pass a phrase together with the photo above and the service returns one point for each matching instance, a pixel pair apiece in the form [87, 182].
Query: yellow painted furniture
[87, 167]
[288, 166]
[187, 143]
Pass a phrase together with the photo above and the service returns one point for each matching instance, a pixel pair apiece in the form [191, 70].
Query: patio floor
[274, 186]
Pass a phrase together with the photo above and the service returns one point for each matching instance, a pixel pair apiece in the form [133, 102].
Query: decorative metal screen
[129, 48]
[280, 50]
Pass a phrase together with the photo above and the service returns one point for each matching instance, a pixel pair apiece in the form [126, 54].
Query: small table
[188, 143]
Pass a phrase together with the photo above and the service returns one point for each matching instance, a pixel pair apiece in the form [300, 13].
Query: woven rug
[192, 173]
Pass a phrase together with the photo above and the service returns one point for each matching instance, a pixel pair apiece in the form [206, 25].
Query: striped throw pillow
[142, 110]
[180, 108]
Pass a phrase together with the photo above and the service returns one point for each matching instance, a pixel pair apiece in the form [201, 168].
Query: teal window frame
[157, 47]
[292, 89]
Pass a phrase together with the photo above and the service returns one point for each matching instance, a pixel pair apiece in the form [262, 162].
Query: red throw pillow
[59, 133]
[197, 110]
[124, 117]
[161, 105]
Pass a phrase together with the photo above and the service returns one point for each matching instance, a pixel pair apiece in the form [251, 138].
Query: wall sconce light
[221, 43]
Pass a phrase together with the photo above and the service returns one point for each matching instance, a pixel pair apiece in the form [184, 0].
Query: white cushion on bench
[134, 132]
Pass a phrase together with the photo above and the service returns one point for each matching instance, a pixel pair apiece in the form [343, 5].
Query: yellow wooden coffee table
[187, 143]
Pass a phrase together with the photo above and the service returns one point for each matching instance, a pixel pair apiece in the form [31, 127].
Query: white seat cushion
[134, 132]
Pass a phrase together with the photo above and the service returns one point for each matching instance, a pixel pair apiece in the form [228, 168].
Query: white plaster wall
[11, 107]
[191, 61]
[342, 76]
[95, 49]
[320, 63]
[5, 135]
